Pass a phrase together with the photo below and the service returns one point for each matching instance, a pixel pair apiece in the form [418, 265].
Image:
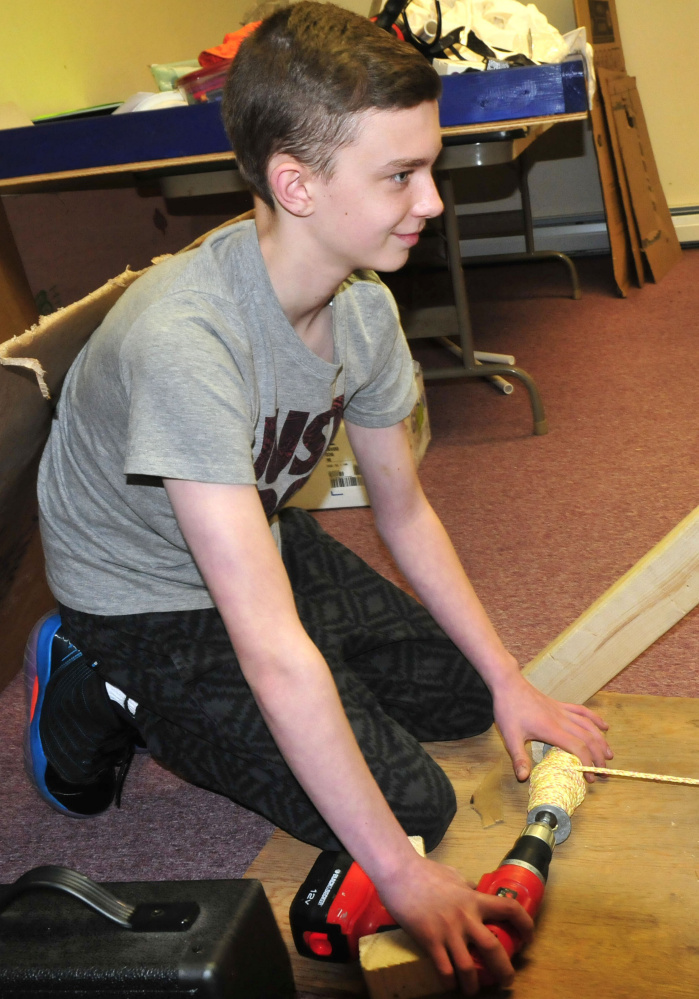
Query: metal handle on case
[171, 917]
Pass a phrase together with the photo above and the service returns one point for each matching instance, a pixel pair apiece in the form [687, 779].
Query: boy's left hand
[523, 713]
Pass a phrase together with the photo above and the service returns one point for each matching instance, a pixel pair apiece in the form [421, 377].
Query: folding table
[187, 162]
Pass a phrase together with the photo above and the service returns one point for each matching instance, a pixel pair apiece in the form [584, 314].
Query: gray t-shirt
[197, 374]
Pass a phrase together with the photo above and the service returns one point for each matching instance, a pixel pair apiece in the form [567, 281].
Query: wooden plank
[482, 128]
[614, 923]
[393, 966]
[521, 92]
[640, 607]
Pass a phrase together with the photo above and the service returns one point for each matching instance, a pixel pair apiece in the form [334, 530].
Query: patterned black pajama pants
[400, 679]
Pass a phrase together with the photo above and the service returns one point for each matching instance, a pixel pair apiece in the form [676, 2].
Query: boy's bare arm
[227, 532]
[425, 555]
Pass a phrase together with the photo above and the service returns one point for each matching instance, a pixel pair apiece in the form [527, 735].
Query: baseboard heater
[574, 235]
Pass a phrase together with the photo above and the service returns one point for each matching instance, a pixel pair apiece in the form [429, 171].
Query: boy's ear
[289, 182]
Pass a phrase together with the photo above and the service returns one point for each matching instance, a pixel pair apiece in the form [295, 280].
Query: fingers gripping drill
[337, 903]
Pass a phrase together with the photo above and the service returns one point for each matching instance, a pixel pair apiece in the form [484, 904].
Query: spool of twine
[558, 780]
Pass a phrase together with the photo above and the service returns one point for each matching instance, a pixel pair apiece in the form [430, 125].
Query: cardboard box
[111, 140]
[510, 94]
[337, 481]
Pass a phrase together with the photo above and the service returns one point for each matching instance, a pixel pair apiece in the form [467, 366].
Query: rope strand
[558, 780]
[664, 778]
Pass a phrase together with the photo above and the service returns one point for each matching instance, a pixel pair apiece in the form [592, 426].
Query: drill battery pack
[335, 906]
[62, 934]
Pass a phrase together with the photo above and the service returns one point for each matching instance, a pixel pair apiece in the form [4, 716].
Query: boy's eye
[401, 178]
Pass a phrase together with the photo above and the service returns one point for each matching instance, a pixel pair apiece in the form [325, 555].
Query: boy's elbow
[400, 510]
[286, 663]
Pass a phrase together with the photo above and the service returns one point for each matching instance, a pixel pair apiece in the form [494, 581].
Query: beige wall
[660, 40]
[58, 55]
[64, 54]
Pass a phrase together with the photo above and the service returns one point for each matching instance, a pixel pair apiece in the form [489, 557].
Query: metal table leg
[470, 368]
[524, 165]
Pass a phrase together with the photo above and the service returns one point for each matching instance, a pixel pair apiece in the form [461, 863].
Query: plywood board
[618, 917]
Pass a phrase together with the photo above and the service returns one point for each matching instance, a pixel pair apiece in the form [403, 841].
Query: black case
[221, 940]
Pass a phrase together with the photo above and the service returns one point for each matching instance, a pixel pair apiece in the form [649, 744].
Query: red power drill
[337, 903]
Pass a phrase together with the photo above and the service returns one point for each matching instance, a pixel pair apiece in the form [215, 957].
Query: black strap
[173, 917]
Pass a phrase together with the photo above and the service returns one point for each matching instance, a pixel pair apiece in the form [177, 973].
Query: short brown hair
[301, 80]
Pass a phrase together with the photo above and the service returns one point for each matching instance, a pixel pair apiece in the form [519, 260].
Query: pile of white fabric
[506, 27]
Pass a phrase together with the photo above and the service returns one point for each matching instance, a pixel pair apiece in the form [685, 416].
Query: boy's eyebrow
[407, 164]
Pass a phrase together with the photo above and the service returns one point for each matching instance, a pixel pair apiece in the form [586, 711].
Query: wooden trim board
[633, 613]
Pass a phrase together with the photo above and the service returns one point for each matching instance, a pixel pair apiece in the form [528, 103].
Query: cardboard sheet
[337, 482]
[599, 18]
[656, 231]
[605, 78]
[641, 232]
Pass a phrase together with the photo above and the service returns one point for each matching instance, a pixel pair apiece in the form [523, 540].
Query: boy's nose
[430, 204]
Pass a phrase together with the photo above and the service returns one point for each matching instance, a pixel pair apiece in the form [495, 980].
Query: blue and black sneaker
[74, 739]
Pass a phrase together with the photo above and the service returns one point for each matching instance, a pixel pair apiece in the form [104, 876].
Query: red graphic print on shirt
[278, 451]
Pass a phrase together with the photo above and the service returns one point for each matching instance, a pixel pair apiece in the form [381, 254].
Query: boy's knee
[429, 807]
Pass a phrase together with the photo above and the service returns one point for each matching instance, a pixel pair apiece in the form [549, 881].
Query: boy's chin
[395, 266]
[392, 262]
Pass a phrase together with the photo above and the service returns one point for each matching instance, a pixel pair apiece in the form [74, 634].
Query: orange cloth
[228, 49]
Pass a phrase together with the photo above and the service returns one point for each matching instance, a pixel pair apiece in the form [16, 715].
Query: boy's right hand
[445, 914]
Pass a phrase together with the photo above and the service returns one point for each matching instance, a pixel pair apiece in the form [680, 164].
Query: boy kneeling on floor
[252, 653]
